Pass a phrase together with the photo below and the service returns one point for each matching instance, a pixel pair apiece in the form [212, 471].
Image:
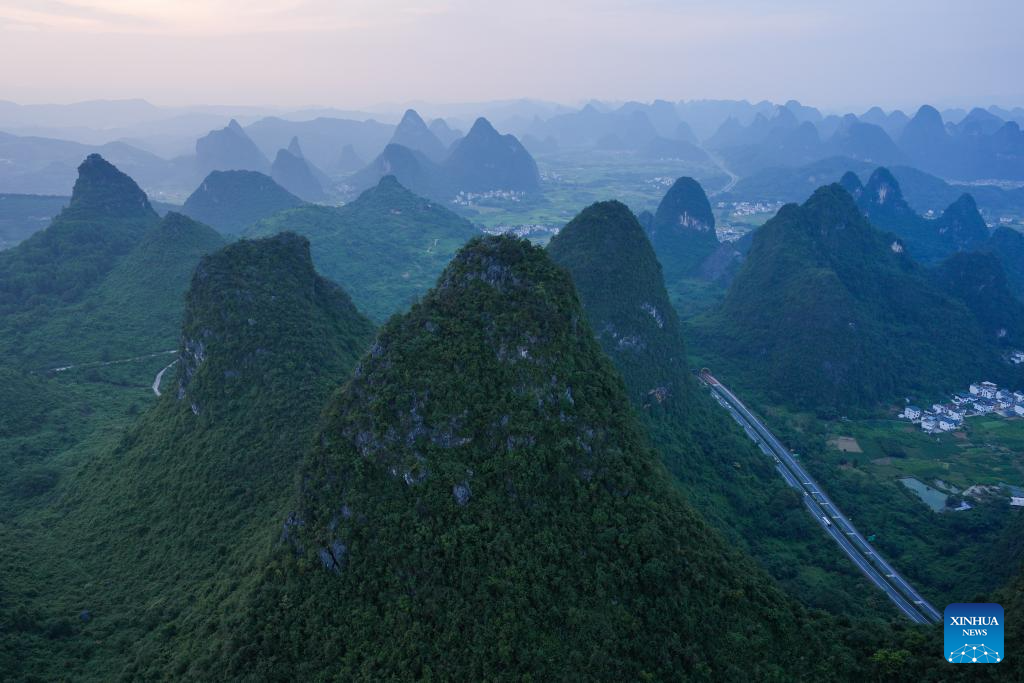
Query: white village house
[983, 398]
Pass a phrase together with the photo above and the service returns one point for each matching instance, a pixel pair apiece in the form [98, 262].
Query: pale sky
[358, 53]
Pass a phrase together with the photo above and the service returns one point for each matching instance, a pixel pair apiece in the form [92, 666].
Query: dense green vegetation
[55, 425]
[488, 508]
[620, 285]
[134, 310]
[482, 501]
[829, 314]
[232, 201]
[106, 218]
[721, 471]
[385, 248]
[1008, 245]
[979, 281]
[683, 230]
[177, 515]
[21, 215]
[103, 282]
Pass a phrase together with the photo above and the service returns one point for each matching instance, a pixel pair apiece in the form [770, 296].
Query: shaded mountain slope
[979, 281]
[620, 285]
[291, 171]
[724, 475]
[176, 518]
[411, 168]
[959, 228]
[105, 219]
[1008, 245]
[412, 132]
[135, 310]
[683, 230]
[486, 160]
[385, 248]
[231, 201]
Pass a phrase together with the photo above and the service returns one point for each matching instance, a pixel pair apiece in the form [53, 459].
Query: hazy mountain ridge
[232, 201]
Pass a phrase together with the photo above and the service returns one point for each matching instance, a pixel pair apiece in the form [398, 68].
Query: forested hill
[177, 517]
[724, 475]
[490, 504]
[385, 248]
[683, 229]
[620, 285]
[106, 218]
[231, 201]
[828, 313]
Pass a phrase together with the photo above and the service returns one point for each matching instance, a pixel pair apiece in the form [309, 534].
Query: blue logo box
[973, 633]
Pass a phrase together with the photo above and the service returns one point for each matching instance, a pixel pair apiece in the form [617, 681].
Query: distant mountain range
[980, 146]
[292, 171]
[412, 132]
[21, 215]
[748, 138]
[923, 191]
[482, 161]
[229, 149]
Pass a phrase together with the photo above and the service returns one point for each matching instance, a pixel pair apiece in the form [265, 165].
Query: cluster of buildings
[750, 208]
[982, 398]
[464, 198]
[527, 230]
[662, 182]
[729, 233]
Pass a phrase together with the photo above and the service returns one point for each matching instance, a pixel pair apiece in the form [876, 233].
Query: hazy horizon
[379, 55]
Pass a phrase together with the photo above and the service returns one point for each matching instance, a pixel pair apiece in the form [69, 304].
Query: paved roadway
[160, 376]
[824, 511]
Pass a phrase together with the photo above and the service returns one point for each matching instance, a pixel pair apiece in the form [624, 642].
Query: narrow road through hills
[102, 363]
[824, 511]
[733, 178]
[160, 376]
